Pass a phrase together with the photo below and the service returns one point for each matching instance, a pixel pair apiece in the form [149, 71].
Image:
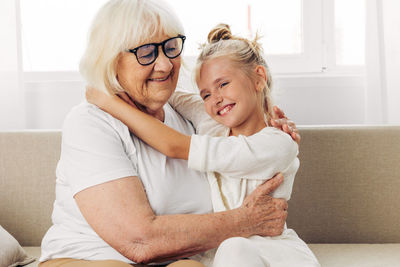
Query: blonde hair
[245, 53]
[120, 25]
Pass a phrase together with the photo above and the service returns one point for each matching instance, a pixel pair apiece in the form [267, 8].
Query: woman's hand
[267, 213]
[281, 122]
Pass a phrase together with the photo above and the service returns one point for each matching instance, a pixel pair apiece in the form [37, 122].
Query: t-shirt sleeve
[190, 106]
[93, 151]
[258, 156]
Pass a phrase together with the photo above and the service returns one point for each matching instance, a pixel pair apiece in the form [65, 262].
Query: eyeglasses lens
[173, 47]
[146, 54]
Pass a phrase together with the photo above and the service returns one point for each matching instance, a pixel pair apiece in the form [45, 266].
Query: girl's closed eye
[223, 84]
[205, 96]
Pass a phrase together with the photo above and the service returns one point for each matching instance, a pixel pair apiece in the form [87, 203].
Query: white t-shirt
[98, 148]
[236, 165]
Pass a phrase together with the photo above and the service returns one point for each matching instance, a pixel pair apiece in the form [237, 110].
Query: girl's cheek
[208, 109]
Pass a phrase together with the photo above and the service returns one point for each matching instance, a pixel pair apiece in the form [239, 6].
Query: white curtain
[12, 108]
[383, 62]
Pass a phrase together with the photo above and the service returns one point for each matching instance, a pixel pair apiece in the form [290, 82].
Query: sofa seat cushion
[365, 255]
[33, 252]
[329, 255]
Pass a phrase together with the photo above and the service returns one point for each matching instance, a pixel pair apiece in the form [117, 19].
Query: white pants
[286, 250]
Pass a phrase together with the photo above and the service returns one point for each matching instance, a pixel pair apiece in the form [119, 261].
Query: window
[350, 32]
[310, 36]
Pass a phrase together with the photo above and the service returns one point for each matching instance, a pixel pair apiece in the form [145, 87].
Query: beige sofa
[345, 203]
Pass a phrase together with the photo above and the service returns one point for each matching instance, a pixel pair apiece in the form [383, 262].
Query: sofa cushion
[329, 255]
[365, 255]
[33, 252]
[11, 253]
[347, 189]
[28, 162]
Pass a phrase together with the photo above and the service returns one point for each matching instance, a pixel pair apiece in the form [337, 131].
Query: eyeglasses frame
[134, 50]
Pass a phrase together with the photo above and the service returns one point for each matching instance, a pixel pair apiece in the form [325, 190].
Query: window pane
[54, 32]
[350, 32]
[278, 25]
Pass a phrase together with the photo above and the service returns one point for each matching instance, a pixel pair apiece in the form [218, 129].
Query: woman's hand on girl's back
[281, 122]
[267, 214]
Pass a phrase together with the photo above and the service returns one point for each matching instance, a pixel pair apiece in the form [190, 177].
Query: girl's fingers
[278, 113]
[124, 96]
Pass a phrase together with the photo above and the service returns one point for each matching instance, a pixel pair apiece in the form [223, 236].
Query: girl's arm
[191, 107]
[258, 156]
[152, 131]
[254, 157]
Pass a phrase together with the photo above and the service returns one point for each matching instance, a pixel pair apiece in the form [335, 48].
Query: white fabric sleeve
[93, 151]
[190, 106]
[258, 156]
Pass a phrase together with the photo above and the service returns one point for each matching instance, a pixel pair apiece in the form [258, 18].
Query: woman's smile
[160, 79]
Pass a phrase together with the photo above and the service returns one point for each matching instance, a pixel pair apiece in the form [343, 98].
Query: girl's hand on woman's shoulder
[97, 97]
[281, 122]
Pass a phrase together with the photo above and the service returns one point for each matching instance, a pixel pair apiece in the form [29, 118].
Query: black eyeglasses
[148, 53]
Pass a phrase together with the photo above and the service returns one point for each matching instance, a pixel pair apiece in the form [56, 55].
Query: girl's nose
[217, 98]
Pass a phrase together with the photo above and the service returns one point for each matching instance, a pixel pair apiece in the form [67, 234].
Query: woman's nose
[162, 63]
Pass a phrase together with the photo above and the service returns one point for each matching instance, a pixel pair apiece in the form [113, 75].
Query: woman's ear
[262, 77]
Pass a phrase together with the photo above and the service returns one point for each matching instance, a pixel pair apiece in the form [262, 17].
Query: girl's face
[151, 85]
[230, 96]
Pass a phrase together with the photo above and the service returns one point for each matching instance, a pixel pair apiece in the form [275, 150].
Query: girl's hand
[281, 122]
[124, 96]
[97, 97]
[107, 102]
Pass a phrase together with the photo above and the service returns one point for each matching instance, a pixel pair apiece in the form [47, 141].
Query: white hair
[120, 25]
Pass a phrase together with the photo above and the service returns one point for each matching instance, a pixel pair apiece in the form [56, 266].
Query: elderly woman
[118, 201]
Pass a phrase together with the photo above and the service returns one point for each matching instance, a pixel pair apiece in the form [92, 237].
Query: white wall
[306, 100]
[321, 99]
[391, 22]
[11, 104]
[47, 103]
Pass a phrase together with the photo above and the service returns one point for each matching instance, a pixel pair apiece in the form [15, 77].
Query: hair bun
[220, 32]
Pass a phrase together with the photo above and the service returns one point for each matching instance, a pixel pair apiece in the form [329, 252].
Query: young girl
[234, 143]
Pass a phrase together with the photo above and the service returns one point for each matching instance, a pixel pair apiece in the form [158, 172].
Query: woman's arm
[94, 161]
[152, 131]
[120, 214]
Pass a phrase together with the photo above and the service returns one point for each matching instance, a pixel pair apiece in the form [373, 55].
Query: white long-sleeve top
[236, 165]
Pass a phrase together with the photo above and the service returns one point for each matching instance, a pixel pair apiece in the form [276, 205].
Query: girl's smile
[230, 96]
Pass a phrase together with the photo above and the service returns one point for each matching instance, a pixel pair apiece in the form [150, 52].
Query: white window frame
[317, 57]
[311, 58]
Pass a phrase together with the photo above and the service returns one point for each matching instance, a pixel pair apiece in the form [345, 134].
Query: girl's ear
[262, 77]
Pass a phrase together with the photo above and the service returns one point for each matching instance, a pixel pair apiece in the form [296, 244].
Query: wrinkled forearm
[176, 236]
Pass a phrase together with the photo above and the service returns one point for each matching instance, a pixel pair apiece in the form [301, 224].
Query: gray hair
[120, 25]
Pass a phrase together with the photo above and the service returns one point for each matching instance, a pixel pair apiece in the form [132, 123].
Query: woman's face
[151, 85]
[230, 96]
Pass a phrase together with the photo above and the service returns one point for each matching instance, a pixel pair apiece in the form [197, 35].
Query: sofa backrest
[28, 161]
[347, 189]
